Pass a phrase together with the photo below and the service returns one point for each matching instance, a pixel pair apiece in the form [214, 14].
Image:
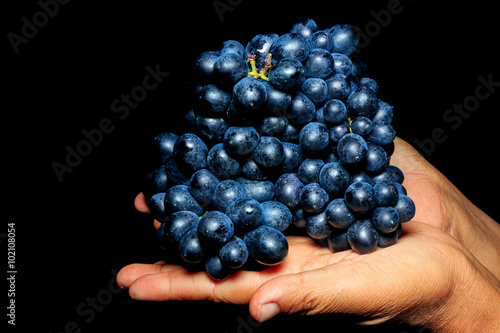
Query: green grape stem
[264, 72]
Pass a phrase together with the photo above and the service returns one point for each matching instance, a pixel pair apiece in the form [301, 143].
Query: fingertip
[264, 303]
[141, 204]
[157, 224]
[130, 273]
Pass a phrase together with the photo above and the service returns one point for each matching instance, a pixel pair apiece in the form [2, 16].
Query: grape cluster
[285, 131]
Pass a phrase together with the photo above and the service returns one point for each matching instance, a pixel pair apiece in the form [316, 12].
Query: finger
[181, 284]
[156, 224]
[127, 275]
[309, 292]
[141, 204]
[374, 286]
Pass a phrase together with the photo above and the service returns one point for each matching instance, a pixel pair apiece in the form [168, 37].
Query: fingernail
[268, 311]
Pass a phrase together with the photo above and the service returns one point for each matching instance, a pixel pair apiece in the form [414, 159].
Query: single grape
[362, 236]
[266, 245]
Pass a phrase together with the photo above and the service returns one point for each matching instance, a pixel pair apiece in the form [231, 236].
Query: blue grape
[386, 193]
[276, 215]
[308, 171]
[291, 45]
[179, 198]
[362, 236]
[362, 102]
[229, 68]
[155, 182]
[334, 178]
[164, 145]
[215, 229]
[316, 89]
[287, 189]
[259, 46]
[338, 214]
[190, 247]
[314, 137]
[234, 253]
[313, 198]
[376, 158]
[246, 214]
[233, 46]
[384, 113]
[252, 171]
[361, 125]
[216, 269]
[227, 192]
[204, 65]
[338, 86]
[220, 163]
[241, 141]
[360, 197]
[338, 241]
[396, 173]
[269, 152]
[293, 157]
[352, 149]
[341, 64]
[202, 186]
[345, 38]
[319, 64]
[302, 110]
[370, 84]
[157, 206]
[317, 226]
[298, 217]
[288, 75]
[337, 132]
[304, 26]
[389, 239]
[260, 190]
[382, 134]
[250, 94]
[211, 129]
[320, 40]
[277, 101]
[178, 224]
[359, 176]
[334, 112]
[385, 219]
[212, 101]
[266, 245]
[405, 208]
[190, 152]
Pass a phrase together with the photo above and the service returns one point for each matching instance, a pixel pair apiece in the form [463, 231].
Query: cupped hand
[420, 280]
[441, 204]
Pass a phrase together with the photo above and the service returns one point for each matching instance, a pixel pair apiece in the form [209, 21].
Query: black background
[71, 235]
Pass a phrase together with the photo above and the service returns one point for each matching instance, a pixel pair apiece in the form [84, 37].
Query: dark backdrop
[73, 232]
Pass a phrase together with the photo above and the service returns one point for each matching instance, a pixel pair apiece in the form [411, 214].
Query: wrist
[474, 305]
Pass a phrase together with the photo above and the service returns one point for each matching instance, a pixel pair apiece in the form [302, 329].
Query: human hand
[440, 204]
[407, 281]
[427, 278]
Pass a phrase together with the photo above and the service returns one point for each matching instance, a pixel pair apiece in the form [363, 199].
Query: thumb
[344, 287]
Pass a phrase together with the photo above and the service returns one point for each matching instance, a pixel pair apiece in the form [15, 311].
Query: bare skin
[443, 273]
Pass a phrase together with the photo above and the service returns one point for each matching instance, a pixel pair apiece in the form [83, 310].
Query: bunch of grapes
[287, 131]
